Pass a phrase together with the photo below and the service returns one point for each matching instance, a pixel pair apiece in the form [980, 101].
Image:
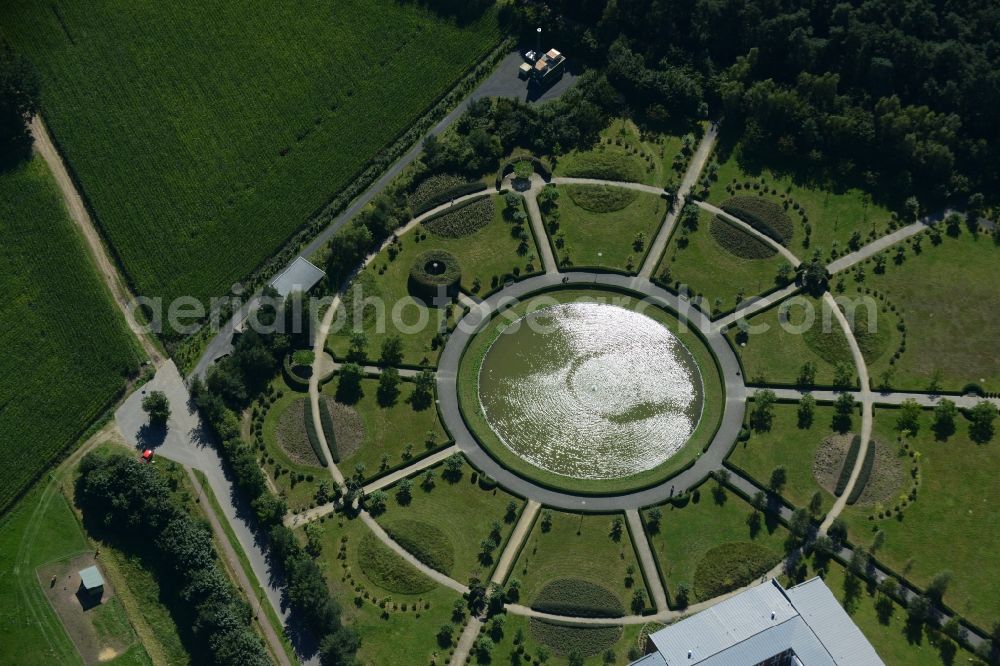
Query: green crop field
[204, 135]
[66, 349]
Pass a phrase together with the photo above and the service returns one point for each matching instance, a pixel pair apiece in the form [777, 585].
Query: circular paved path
[711, 459]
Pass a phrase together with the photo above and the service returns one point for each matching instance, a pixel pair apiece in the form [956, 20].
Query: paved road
[503, 82]
[648, 189]
[187, 442]
[698, 160]
[712, 459]
[888, 398]
[865, 397]
[646, 560]
[778, 247]
[229, 553]
[514, 544]
[537, 225]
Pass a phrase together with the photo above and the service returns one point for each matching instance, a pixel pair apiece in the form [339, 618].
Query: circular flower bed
[433, 274]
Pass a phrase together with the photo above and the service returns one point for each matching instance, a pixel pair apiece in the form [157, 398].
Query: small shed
[91, 581]
[524, 71]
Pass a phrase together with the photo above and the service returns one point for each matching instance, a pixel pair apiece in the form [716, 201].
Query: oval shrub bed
[767, 217]
[388, 570]
[601, 198]
[432, 273]
[565, 639]
[730, 566]
[573, 596]
[462, 219]
[738, 242]
[425, 542]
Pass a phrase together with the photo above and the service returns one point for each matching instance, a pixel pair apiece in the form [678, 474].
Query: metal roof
[764, 621]
[91, 578]
[651, 659]
[302, 275]
[833, 627]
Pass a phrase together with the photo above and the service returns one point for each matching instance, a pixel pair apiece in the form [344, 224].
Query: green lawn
[886, 630]
[710, 271]
[453, 518]
[778, 345]
[622, 154]
[605, 240]
[687, 534]
[387, 431]
[834, 216]
[790, 446]
[944, 294]
[579, 547]
[205, 136]
[67, 351]
[525, 638]
[396, 628]
[487, 255]
[472, 360]
[950, 525]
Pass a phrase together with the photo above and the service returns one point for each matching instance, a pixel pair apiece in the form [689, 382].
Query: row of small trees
[117, 490]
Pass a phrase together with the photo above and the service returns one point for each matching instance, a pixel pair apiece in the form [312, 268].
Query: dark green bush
[765, 216]
[573, 596]
[730, 566]
[428, 286]
[565, 638]
[462, 219]
[601, 198]
[737, 241]
[326, 420]
[387, 569]
[426, 542]
[312, 435]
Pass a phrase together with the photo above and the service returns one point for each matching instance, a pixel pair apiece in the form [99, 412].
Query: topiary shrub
[434, 273]
[767, 217]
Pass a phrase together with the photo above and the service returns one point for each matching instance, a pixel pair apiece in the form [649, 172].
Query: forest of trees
[902, 96]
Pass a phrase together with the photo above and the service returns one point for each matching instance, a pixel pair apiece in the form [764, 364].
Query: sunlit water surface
[589, 390]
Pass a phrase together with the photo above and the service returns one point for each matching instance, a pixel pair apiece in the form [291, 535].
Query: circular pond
[590, 390]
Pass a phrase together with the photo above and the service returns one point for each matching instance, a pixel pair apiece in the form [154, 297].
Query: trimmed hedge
[425, 542]
[737, 241]
[311, 432]
[295, 381]
[573, 596]
[767, 217]
[463, 219]
[565, 639]
[326, 420]
[849, 461]
[386, 569]
[730, 566]
[425, 285]
[444, 196]
[865, 474]
[508, 167]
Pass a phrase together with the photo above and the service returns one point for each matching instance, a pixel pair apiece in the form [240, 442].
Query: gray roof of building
[91, 577]
[766, 620]
[651, 659]
[302, 275]
[833, 627]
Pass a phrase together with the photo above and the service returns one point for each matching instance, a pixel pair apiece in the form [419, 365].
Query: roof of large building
[302, 275]
[762, 622]
[91, 578]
